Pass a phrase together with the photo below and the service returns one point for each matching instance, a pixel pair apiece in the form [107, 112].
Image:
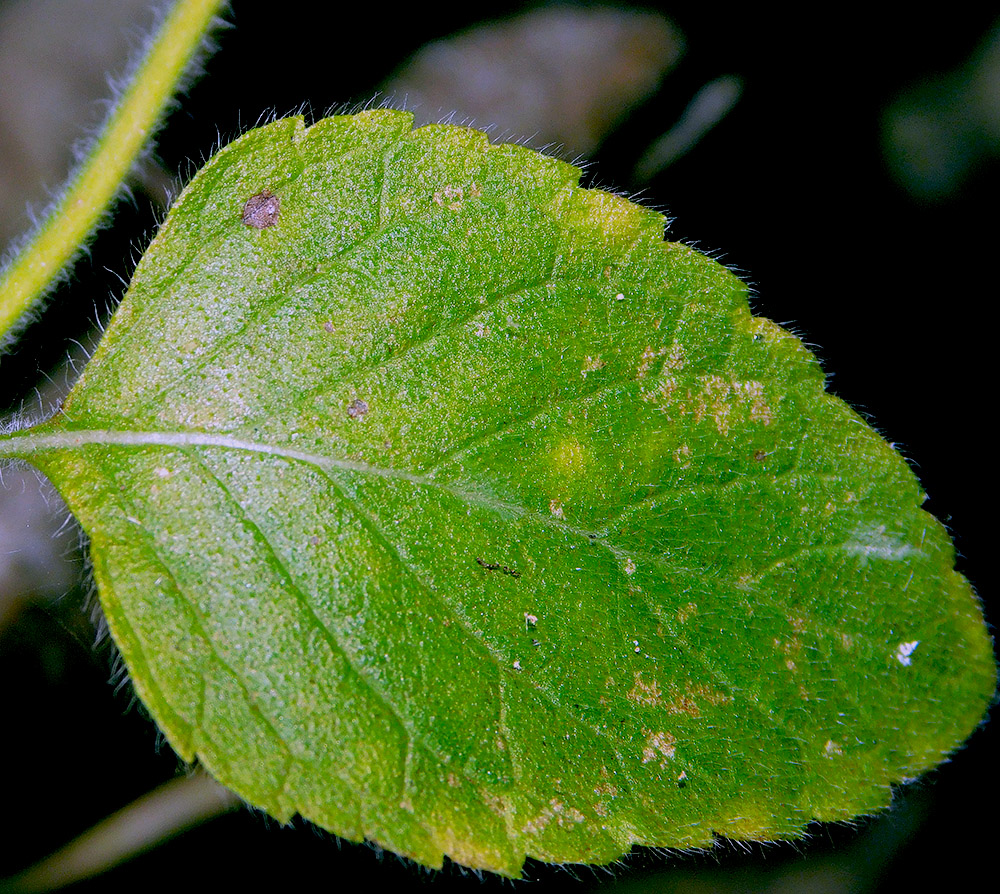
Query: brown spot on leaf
[686, 611]
[649, 356]
[646, 693]
[556, 810]
[592, 364]
[678, 356]
[659, 745]
[357, 409]
[495, 803]
[683, 704]
[712, 696]
[799, 625]
[261, 210]
[450, 197]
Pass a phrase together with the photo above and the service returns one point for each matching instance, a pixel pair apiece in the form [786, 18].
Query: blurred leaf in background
[941, 131]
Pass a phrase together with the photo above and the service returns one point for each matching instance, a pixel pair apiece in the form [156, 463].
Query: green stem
[95, 183]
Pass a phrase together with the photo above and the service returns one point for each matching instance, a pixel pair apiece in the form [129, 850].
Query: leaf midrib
[24, 444]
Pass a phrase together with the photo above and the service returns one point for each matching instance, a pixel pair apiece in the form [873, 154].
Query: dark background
[792, 191]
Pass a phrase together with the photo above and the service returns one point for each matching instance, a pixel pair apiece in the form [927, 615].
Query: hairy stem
[157, 816]
[94, 184]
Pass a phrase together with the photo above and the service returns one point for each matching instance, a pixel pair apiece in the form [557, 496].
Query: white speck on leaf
[904, 652]
[875, 543]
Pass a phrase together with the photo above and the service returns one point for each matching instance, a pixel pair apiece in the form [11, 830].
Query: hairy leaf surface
[441, 501]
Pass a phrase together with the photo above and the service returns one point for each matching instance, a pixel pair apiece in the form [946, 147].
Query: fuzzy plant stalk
[92, 187]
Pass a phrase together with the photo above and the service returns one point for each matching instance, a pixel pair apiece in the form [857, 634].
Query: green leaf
[441, 501]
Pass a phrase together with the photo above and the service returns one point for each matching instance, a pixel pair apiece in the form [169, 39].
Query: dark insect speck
[496, 566]
[261, 211]
[357, 409]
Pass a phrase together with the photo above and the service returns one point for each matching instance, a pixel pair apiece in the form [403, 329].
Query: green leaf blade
[455, 509]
